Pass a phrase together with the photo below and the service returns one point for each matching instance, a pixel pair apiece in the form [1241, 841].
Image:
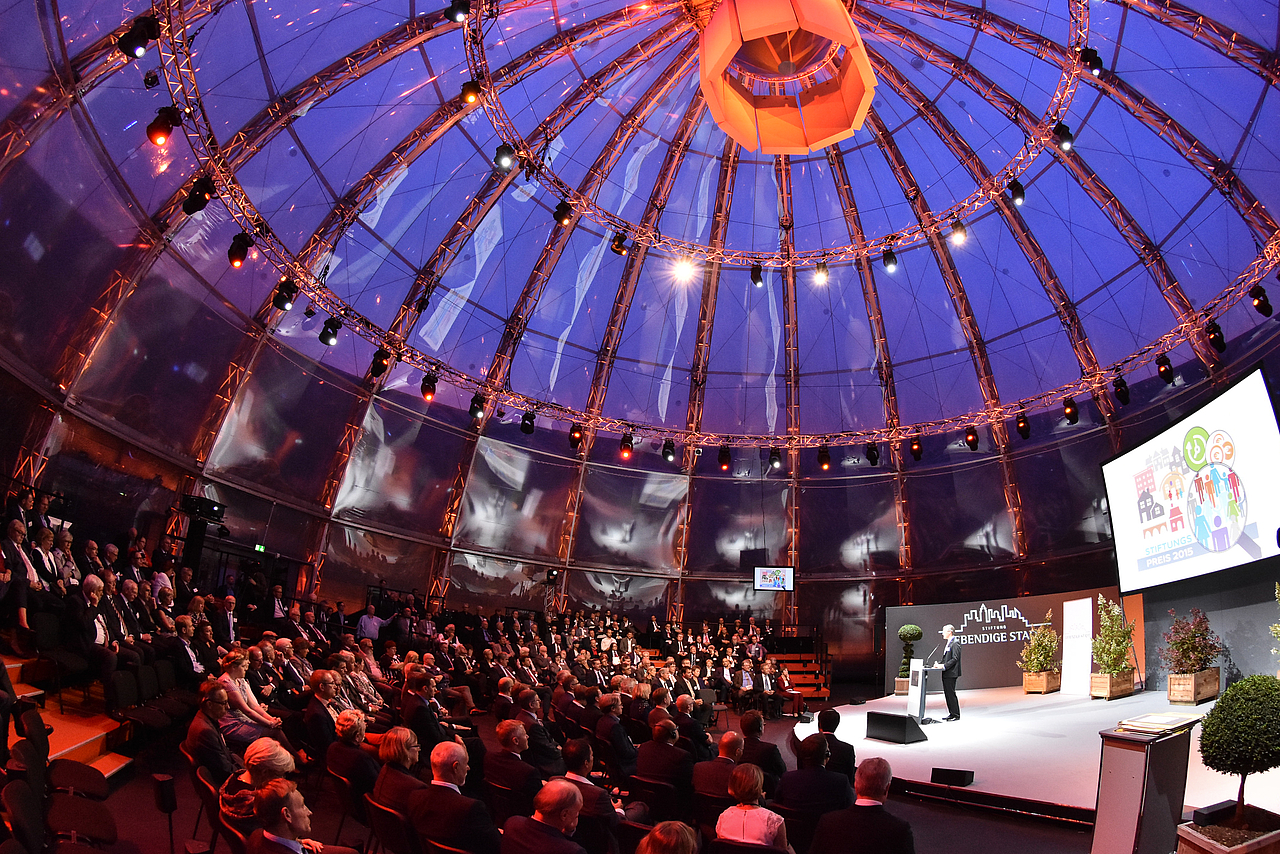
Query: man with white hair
[867, 821]
[555, 818]
[441, 813]
[950, 662]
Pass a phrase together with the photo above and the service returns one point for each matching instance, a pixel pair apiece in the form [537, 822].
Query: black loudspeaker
[900, 729]
[749, 559]
[200, 507]
[951, 777]
[166, 795]
[806, 718]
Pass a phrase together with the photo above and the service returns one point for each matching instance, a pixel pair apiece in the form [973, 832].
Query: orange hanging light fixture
[785, 76]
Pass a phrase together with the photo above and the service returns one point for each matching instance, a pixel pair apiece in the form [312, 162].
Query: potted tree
[1041, 672]
[1190, 650]
[1111, 653]
[1240, 735]
[908, 634]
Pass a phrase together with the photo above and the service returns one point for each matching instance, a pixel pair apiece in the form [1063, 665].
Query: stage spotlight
[669, 450]
[161, 127]
[151, 79]
[1121, 387]
[821, 274]
[477, 405]
[133, 44]
[890, 260]
[824, 458]
[471, 92]
[329, 332]
[1261, 304]
[575, 436]
[775, 459]
[1017, 193]
[618, 246]
[1216, 338]
[563, 213]
[459, 10]
[724, 458]
[526, 423]
[873, 453]
[504, 158]
[202, 190]
[757, 275]
[683, 271]
[959, 234]
[1069, 411]
[238, 251]
[309, 312]
[286, 292]
[553, 575]
[381, 361]
[1165, 369]
[1024, 425]
[626, 445]
[1062, 135]
[971, 438]
[429, 387]
[1089, 59]
[917, 450]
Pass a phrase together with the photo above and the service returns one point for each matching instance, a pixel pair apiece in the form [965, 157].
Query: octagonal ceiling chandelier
[785, 76]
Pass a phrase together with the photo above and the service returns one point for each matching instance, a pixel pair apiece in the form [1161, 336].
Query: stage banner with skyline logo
[992, 633]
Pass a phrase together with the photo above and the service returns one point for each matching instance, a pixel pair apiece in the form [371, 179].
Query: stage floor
[1033, 748]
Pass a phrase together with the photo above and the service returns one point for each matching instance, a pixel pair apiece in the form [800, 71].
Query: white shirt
[446, 785]
[291, 844]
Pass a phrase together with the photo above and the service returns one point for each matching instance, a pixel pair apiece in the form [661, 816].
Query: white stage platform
[1031, 748]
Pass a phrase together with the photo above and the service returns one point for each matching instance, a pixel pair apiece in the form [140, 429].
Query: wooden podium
[1141, 785]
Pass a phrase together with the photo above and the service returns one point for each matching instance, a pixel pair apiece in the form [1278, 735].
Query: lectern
[918, 687]
[1140, 789]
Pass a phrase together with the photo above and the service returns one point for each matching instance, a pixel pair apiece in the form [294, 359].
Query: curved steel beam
[1123, 221]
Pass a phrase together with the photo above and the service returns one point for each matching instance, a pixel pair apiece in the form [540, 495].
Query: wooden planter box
[900, 686]
[1044, 682]
[1188, 689]
[1190, 842]
[1111, 686]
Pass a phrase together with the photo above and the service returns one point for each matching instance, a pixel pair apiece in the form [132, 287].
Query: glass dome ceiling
[338, 136]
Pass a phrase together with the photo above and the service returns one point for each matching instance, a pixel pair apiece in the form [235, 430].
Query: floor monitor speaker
[900, 729]
[951, 777]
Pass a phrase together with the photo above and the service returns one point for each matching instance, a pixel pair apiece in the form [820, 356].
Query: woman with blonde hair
[246, 720]
[747, 821]
[264, 760]
[399, 752]
[669, 837]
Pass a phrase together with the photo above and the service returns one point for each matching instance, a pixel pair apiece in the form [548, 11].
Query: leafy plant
[908, 634]
[1190, 645]
[1115, 636]
[1241, 734]
[1038, 655]
[1275, 627]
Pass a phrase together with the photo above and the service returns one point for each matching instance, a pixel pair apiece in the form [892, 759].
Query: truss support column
[33, 453]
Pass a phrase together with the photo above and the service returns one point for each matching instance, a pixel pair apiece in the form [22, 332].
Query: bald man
[555, 818]
[441, 813]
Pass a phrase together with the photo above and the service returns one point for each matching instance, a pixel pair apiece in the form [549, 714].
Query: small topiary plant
[1241, 734]
[1111, 643]
[908, 634]
[1190, 645]
[1038, 655]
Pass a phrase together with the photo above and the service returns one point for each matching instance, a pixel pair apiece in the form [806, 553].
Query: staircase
[82, 732]
[809, 674]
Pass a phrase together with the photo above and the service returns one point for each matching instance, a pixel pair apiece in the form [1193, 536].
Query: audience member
[264, 760]
[506, 768]
[396, 782]
[669, 837]
[747, 821]
[660, 759]
[205, 742]
[712, 777]
[441, 813]
[555, 818]
[763, 754]
[811, 786]
[867, 820]
[349, 755]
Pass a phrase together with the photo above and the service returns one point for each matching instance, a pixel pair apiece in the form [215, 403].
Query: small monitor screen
[1202, 495]
[774, 578]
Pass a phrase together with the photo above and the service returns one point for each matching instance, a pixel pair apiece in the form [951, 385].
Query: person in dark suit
[188, 669]
[660, 759]
[611, 730]
[763, 754]
[286, 821]
[841, 761]
[503, 704]
[350, 756]
[543, 753]
[320, 715]
[950, 662]
[204, 740]
[555, 818]
[507, 769]
[441, 813]
[226, 627]
[691, 729]
[399, 752]
[596, 802]
[867, 821]
[811, 786]
[712, 777]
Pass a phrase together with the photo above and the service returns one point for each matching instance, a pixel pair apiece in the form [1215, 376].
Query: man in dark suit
[950, 662]
[441, 813]
[504, 703]
[507, 768]
[555, 818]
[712, 777]
[763, 754]
[204, 740]
[867, 821]
[188, 669]
[226, 628]
[596, 802]
[841, 761]
[320, 714]
[543, 753]
[691, 729]
[611, 730]
[660, 759]
[812, 786]
[286, 821]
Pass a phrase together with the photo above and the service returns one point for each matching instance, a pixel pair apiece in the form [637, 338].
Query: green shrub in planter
[1038, 655]
[1241, 735]
[1192, 646]
[1114, 638]
[908, 634]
